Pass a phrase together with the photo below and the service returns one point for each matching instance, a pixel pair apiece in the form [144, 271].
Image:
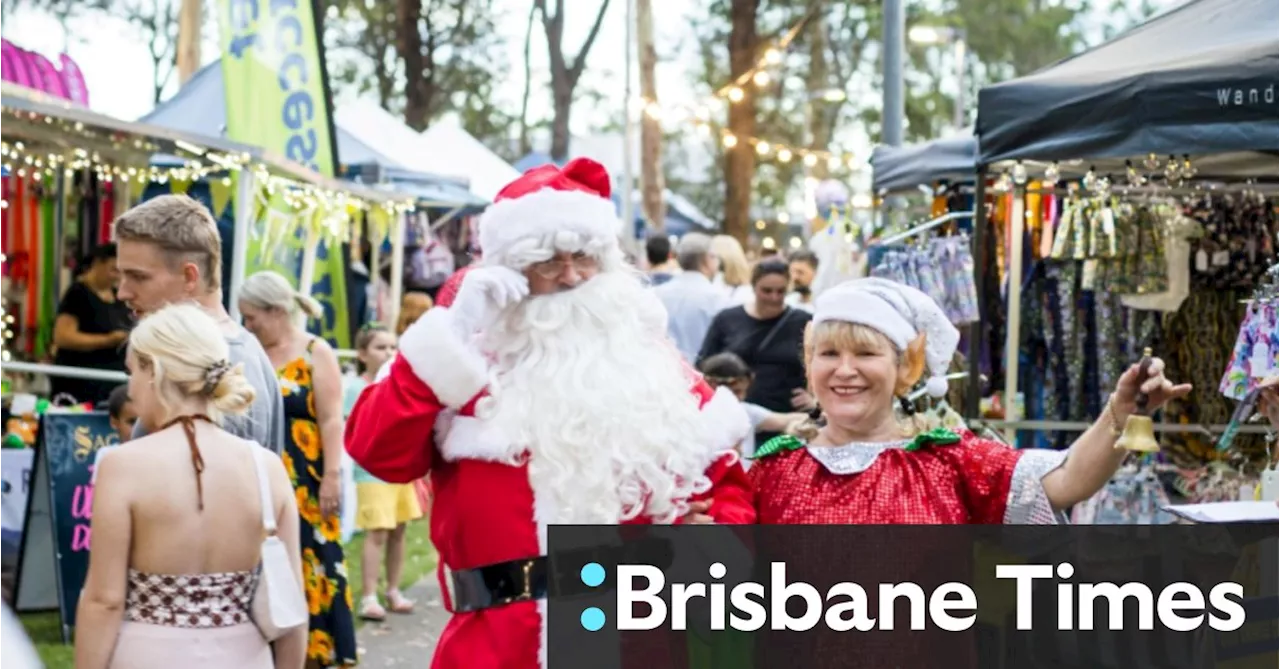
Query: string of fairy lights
[758, 76]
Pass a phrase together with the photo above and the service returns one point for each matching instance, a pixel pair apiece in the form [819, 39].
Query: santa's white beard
[587, 382]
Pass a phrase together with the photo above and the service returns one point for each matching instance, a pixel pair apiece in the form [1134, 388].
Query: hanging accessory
[908, 408]
[279, 606]
[1139, 429]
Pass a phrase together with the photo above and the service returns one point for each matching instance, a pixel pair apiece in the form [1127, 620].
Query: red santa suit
[429, 415]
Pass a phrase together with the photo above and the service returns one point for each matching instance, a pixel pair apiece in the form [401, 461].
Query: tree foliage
[422, 59]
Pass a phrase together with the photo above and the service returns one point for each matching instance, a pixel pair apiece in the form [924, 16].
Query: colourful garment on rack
[1256, 354]
[1239, 243]
[1134, 496]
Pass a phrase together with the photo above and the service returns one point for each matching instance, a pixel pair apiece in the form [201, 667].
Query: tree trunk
[564, 76]
[819, 81]
[525, 145]
[188, 55]
[409, 45]
[655, 211]
[740, 161]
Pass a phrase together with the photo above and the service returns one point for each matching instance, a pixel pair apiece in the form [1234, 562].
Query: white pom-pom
[936, 386]
[484, 407]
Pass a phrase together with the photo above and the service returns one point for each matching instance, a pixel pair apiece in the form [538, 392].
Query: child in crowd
[382, 509]
[120, 412]
[727, 369]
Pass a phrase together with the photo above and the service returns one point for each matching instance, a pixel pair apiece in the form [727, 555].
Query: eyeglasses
[550, 269]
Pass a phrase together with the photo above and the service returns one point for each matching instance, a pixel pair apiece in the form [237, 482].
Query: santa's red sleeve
[390, 430]
[732, 495]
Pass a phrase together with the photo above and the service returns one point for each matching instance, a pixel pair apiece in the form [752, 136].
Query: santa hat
[900, 313]
[549, 199]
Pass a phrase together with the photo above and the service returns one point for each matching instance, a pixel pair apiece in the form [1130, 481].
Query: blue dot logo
[592, 574]
[592, 619]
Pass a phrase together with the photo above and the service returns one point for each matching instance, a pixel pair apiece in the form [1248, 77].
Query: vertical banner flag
[277, 94]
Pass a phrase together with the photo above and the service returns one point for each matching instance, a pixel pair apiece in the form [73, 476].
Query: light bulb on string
[1151, 163]
[784, 155]
[729, 140]
[762, 148]
[783, 217]
[1052, 173]
[810, 159]
[1188, 170]
[760, 225]
[772, 56]
[761, 78]
[736, 94]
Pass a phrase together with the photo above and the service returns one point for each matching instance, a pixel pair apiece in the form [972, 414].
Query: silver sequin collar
[852, 458]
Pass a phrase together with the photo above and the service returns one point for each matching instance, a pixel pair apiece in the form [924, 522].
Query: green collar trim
[785, 442]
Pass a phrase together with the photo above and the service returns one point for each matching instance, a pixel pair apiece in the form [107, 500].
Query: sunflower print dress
[332, 637]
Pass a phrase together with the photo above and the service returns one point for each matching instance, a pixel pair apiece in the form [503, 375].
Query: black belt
[541, 577]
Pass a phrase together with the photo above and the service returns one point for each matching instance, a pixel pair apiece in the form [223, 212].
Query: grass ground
[419, 559]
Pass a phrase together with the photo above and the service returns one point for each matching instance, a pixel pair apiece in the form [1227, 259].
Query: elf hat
[900, 313]
[546, 200]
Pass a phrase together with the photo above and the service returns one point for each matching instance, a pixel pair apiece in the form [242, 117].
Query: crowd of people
[550, 383]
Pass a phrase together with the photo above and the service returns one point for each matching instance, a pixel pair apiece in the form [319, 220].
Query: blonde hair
[270, 290]
[844, 336]
[189, 358]
[182, 228]
[733, 260]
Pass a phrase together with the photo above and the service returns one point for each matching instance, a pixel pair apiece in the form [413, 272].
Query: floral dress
[332, 637]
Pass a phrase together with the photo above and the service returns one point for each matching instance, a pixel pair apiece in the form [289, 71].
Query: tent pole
[628, 215]
[976, 329]
[375, 271]
[1013, 338]
[397, 266]
[245, 203]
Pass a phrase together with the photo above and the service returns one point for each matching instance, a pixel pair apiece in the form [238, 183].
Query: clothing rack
[926, 226]
[1080, 426]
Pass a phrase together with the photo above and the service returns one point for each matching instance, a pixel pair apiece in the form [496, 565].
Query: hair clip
[213, 375]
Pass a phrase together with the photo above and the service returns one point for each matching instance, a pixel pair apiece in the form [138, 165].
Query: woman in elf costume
[867, 347]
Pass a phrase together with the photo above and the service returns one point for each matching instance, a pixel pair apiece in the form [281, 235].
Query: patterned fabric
[194, 601]
[1256, 354]
[941, 268]
[332, 637]
[938, 478]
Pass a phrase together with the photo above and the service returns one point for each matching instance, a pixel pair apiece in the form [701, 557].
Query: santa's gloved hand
[485, 292]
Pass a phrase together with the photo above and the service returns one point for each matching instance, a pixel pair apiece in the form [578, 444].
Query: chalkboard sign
[67, 446]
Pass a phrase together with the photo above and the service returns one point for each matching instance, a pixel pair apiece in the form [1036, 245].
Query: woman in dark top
[92, 327]
[769, 336]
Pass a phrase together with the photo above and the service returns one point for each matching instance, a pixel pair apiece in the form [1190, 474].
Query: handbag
[279, 605]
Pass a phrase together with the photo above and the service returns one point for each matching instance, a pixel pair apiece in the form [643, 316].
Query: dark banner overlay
[759, 597]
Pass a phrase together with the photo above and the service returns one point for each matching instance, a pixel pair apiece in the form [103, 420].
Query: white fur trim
[470, 438]
[726, 422]
[453, 370]
[543, 212]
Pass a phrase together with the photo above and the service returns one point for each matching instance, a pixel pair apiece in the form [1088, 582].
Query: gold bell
[1139, 430]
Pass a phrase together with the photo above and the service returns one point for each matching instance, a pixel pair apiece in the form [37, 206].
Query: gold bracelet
[1116, 428]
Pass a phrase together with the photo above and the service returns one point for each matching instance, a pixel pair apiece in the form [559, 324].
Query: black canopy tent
[900, 168]
[1198, 80]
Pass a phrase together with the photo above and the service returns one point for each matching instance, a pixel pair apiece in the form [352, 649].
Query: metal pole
[1012, 408]
[962, 94]
[973, 408]
[895, 27]
[245, 203]
[628, 135]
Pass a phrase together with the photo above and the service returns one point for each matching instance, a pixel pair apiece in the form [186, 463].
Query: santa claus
[545, 394]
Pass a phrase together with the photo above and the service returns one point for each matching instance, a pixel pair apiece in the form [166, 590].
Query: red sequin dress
[939, 477]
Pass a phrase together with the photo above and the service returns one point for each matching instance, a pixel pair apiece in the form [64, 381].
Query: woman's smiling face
[855, 372]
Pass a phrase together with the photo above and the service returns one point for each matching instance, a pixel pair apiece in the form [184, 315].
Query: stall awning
[1200, 79]
[900, 168]
[58, 123]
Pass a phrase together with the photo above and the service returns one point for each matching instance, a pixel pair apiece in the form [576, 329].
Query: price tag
[1221, 258]
[1248, 492]
[1202, 261]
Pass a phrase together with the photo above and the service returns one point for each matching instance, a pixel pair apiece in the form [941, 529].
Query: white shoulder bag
[279, 605]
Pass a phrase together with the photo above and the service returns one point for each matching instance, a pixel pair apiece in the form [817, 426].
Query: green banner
[276, 97]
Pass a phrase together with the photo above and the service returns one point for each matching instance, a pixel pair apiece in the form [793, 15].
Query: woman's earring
[908, 407]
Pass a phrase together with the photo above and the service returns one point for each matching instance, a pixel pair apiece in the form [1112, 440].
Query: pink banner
[33, 70]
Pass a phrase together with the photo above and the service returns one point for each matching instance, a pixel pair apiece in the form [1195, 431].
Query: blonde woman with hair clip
[173, 556]
[311, 383]
[870, 343]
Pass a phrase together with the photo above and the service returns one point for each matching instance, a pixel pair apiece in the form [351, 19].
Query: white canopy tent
[445, 148]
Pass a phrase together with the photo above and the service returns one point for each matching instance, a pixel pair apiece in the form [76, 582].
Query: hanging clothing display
[1134, 496]
[1239, 241]
[1179, 232]
[942, 268]
[1256, 354]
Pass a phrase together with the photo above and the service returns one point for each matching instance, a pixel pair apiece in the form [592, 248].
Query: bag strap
[264, 491]
[773, 331]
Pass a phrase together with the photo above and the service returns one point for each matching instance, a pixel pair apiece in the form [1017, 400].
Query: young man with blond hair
[169, 250]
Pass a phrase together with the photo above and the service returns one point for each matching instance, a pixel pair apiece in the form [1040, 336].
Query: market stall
[1129, 201]
[895, 169]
